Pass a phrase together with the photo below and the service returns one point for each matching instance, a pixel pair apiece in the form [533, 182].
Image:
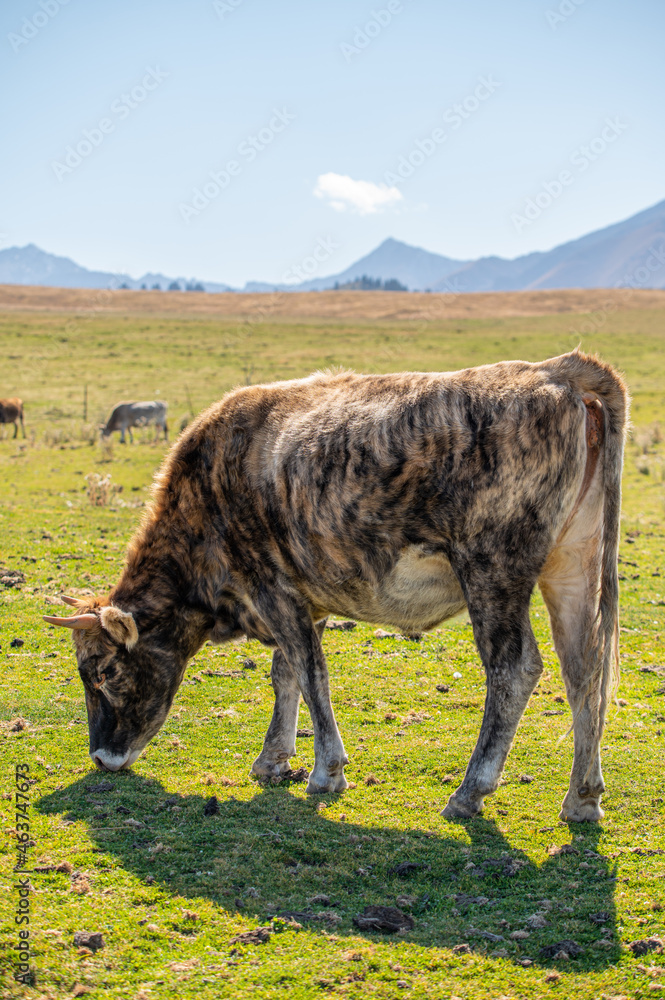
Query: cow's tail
[589, 375]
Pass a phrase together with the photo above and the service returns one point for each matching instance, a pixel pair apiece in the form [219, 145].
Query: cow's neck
[159, 587]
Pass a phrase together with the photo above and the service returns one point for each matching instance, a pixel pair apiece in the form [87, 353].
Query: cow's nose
[109, 761]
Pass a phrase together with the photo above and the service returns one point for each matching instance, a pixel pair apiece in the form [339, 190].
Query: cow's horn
[74, 602]
[76, 621]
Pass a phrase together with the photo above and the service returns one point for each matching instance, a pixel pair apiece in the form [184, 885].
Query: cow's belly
[420, 591]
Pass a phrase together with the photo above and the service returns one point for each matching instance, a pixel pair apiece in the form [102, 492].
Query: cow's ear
[120, 625]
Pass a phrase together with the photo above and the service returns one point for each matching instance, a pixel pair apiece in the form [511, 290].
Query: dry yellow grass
[329, 305]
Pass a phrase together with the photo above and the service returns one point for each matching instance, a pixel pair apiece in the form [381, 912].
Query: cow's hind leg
[570, 584]
[513, 665]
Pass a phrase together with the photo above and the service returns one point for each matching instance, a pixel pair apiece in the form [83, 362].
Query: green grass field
[169, 887]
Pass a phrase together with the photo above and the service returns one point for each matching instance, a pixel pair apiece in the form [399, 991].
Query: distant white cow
[127, 415]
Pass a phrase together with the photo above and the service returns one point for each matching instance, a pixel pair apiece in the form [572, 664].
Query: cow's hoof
[268, 767]
[318, 784]
[458, 808]
[581, 811]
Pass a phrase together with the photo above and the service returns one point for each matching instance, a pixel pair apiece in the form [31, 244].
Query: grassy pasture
[169, 887]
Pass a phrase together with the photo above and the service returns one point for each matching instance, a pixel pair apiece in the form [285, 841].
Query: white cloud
[363, 197]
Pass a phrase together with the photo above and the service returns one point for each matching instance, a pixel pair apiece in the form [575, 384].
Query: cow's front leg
[513, 665]
[300, 642]
[280, 741]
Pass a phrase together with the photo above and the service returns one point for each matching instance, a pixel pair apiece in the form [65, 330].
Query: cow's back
[333, 478]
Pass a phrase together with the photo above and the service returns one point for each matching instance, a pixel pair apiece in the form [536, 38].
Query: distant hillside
[417, 269]
[628, 253]
[31, 266]
[414, 268]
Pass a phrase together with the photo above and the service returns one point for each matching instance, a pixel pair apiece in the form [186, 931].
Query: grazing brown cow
[11, 411]
[396, 499]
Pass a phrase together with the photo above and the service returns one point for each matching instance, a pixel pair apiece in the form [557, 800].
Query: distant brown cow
[11, 411]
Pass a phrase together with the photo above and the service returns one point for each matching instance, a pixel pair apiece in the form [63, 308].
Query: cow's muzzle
[106, 761]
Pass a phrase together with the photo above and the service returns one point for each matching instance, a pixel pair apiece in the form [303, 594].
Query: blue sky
[305, 110]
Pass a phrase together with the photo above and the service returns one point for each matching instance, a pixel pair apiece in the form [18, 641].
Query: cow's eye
[99, 683]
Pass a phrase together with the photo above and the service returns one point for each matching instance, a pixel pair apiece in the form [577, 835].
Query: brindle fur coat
[397, 499]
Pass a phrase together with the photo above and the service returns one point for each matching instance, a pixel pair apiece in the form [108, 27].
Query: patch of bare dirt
[644, 945]
[260, 935]
[92, 940]
[388, 919]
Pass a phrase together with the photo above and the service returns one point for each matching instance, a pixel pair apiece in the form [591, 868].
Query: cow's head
[129, 686]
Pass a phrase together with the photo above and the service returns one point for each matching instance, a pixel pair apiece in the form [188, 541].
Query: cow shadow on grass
[275, 853]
